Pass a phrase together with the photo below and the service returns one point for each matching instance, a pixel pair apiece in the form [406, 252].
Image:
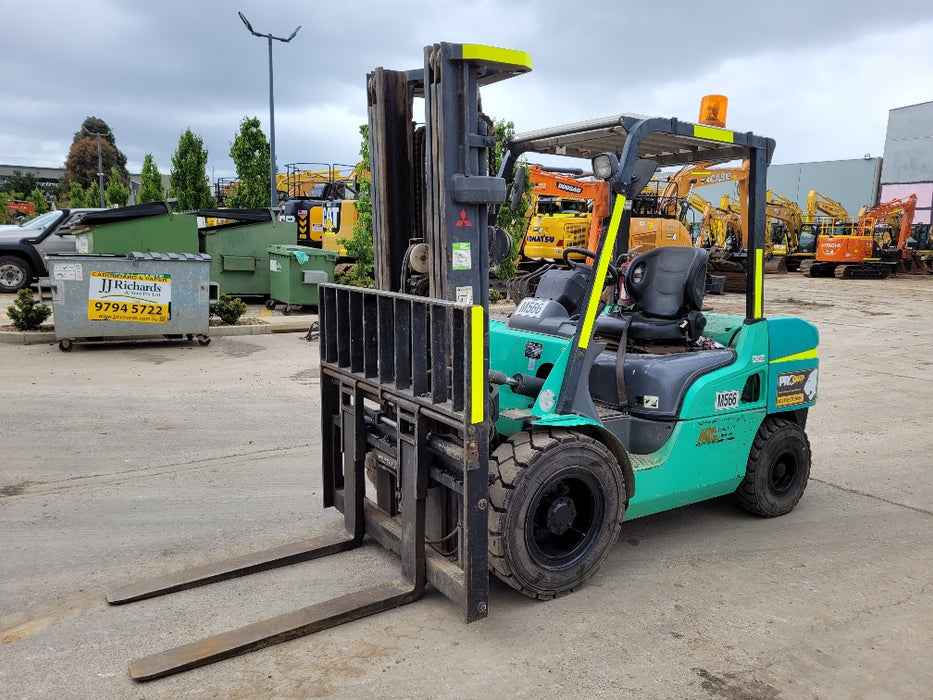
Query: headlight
[605, 165]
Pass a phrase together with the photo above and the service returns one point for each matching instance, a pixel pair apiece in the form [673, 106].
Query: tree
[17, 184]
[512, 221]
[250, 154]
[4, 213]
[150, 182]
[76, 196]
[188, 177]
[81, 163]
[117, 192]
[360, 244]
[93, 195]
[38, 201]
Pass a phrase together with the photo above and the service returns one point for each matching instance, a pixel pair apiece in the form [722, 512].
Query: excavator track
[870, 271]
[812, 268]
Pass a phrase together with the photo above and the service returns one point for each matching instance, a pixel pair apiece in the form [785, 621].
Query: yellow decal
[713, 134]
[602, 265]
[805, 355]
[759, 283]
[493, 54]
[477, 381]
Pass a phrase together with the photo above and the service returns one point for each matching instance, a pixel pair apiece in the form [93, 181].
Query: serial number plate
[726, 400]
[532, 308]
[125, 311]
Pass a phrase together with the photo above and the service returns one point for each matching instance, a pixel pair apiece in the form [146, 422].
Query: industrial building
[908, 158]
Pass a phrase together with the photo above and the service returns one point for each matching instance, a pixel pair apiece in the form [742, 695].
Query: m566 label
[726, 400]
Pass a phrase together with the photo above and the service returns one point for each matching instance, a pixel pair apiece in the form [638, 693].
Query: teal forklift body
[774, 370]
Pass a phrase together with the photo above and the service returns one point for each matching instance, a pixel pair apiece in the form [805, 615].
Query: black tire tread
[746, 492]
[508, 463]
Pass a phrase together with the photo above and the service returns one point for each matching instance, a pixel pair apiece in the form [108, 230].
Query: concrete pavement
[122, 462]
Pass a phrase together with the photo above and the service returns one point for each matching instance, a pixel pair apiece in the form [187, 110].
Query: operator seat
[667, 286]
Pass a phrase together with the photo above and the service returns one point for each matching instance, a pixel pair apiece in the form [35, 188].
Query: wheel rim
[784, 472]
[11, 276]
[564, 519]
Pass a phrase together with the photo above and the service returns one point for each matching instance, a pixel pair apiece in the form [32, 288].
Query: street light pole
[272, 169]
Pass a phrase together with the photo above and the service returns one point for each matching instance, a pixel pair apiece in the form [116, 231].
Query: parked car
[23, 248]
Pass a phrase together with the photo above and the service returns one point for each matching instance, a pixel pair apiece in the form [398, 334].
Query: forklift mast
[404, 378]
[433, 182]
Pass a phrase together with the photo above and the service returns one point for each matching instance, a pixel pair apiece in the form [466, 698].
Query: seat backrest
[667, 282]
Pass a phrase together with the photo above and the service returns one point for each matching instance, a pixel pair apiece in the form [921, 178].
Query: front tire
[14, 274]
[778, 469]
[557, 504]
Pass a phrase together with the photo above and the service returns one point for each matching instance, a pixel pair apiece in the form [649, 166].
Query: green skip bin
[295, 271]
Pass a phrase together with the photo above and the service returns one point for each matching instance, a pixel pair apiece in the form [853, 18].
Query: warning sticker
[67, 271]
[461, 258]
[796, 387]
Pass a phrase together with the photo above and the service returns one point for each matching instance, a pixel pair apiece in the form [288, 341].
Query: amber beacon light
[713, 110]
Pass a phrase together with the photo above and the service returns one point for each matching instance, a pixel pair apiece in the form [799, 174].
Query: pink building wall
[924, 192]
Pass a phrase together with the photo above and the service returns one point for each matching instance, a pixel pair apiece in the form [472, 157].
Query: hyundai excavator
[520, 445]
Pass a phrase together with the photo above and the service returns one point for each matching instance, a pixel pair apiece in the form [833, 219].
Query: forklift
[468, 444]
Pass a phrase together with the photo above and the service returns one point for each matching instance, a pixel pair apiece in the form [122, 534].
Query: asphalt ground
[126, 461]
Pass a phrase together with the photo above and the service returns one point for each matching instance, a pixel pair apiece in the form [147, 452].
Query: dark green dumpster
[238, 241]
[141, 228]
[295, 271]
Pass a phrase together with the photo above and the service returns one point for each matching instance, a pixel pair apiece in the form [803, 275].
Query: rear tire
[556, 508]
[778, 469]
[14, 274]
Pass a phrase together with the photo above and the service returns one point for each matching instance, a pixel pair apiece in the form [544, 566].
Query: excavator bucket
[775, 265]
[914, 264]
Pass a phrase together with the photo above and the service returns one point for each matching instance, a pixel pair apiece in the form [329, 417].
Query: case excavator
[520, 445]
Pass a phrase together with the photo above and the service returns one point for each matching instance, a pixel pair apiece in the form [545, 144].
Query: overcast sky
[818, 76]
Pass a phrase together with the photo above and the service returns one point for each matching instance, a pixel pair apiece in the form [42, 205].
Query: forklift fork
[313, 618]
[398, 395]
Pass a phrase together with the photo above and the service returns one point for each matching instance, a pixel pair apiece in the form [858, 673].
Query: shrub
[26, 313]
[228, 309]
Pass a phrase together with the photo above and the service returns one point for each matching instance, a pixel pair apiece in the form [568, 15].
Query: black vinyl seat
[667, 286]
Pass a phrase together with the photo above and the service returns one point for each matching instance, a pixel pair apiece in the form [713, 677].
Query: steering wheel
[611, 270]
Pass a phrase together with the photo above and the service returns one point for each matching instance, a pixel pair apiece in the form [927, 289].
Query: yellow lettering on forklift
[477, 381]
[602, 265]
[713, 134]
